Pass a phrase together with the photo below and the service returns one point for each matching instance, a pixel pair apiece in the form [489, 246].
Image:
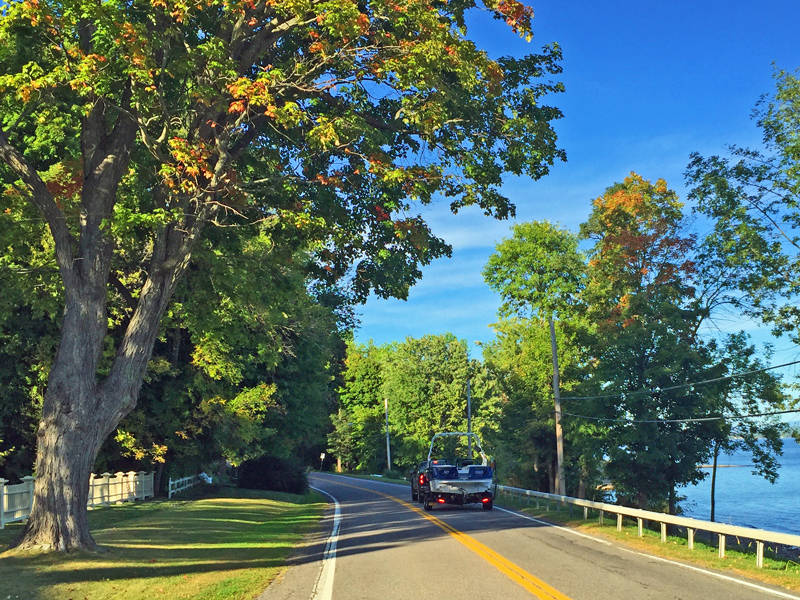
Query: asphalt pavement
[377, 543]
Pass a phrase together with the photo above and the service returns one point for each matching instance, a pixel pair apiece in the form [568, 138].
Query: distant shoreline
[723, 466]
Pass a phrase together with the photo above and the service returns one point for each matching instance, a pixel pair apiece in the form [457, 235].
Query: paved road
[387, 548]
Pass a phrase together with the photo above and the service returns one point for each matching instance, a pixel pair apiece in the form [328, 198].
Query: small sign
[322, 456]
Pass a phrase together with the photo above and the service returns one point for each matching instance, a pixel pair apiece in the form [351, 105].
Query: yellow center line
[514, 572]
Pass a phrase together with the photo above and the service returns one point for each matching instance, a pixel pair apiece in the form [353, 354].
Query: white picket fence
[16, 500]
[184, 483]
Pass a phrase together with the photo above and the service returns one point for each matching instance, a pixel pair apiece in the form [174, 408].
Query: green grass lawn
[227, 546]
[777, 571]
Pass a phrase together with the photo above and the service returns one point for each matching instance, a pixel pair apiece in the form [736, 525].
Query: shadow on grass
[167, 542]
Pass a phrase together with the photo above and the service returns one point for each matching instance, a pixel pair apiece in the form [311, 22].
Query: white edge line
[566, 529]
[666, 560]
[323, 589]
[755, 586]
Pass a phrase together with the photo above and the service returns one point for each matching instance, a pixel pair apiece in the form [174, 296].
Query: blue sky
[647, 83]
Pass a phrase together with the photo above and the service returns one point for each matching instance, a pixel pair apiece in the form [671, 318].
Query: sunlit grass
[229, 546]
[777, 571]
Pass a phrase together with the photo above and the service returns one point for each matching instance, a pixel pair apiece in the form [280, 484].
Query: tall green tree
[539, 273]
[166, 117]
[751, 198]
[361, 403]
[641, 297]
[757, 392]
[426, 383]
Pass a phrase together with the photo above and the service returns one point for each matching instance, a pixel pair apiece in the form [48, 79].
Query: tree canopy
[133, 127]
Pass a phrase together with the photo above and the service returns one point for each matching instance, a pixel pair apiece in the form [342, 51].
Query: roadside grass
[777, 571]
[228, 545]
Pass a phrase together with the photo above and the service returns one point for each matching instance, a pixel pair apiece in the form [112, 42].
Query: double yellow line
[515, 573]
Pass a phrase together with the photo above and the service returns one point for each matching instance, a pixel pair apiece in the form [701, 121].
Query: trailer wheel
[487, 505]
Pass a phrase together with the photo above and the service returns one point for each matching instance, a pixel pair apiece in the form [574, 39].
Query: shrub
[273, 473]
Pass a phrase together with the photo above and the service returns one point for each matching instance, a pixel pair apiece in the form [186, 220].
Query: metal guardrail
[760, 536]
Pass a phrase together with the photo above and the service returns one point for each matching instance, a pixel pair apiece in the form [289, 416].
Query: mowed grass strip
[227, 546]
[777, 571]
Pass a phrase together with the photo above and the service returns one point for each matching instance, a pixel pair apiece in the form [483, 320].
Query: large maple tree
[155, 119]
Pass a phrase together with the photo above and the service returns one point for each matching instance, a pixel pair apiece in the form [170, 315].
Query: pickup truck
[457, 480]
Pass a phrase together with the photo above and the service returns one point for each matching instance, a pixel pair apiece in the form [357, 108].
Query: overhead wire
[689, 420]
[658, 390]
[691, 385]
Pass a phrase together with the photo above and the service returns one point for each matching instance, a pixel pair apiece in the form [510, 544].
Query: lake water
[749, 500]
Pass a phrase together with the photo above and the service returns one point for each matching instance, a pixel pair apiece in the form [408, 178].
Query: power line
[681, 386]
[692, 420]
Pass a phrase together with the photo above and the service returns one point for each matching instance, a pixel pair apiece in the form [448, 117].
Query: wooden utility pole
[469, 421]
[388, 450]
[560, 485]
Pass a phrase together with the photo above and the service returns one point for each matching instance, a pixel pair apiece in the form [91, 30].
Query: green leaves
[752, 197]
[539, 271]
[425, 381]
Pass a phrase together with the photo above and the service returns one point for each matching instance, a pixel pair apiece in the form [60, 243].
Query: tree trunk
[78, 413]
[65, 455]
[582, 483]
[672, 499]
[714, 479]
[159, 473]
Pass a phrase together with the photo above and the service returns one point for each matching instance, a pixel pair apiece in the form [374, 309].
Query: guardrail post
[690, 538]
[601, 517]
[759, 554]
[3, 483]
[721, 546]
[640, 526]
[663, 533]
[619, 522]
[585, 513]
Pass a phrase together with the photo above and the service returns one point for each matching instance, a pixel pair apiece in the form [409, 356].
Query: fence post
[140, 489]
[131, 486]
[107, 480]
[31, 482]
[3, 483]
[170, 488]
[120, 477]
